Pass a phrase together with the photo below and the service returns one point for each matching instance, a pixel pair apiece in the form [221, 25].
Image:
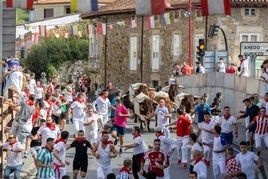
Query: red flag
[24, 4]
[101, 29]
[151, 7]
[210, 7]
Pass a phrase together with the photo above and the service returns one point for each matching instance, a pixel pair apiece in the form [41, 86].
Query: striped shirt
[262, 124]
[46, 158]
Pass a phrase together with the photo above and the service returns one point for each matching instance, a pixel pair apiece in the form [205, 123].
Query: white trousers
[60, 172]
[218, 166]
[258, 139]
[166, 173]
[207, 152]
[78, 125]
[182, 143]
[105, 118]
[102, 172]
[91, 135]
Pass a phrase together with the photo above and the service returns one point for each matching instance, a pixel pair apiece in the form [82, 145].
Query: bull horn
[180, 86]
[197, 97]
[177, 106]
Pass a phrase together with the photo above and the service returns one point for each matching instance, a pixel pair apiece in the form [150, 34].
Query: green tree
[51, 53]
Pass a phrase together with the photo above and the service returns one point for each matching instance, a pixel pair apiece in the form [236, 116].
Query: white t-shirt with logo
[46, 132]
[139, 148]
[227, 126]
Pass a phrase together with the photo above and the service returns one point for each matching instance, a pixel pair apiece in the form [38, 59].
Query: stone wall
[118, 42]
[234, 88]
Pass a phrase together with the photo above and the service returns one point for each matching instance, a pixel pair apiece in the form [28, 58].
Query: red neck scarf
[104, 97]
[80, 139]
[79, 100]
[12, 143]
[51, 126]
[197, 160]
[124, 169]
[161, 134]
[106, 142]
[30, 102]
[207, 121]
[266, 100]
[138, 135]
[60, 140]
[49, 149]
[227, 116]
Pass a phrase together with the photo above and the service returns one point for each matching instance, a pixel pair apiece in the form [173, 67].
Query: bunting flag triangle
[150, 22]
[151, 7]
[24, 4]
[166, 19]
[101, 29]
[42, 30]
[74, 30]
[211, 7]
[84, 5]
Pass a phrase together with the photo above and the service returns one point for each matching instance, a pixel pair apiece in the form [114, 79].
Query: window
[48, 13]
[133, 52]
[67, 9]
[249, 37]
[176, 14]
[155, 52]
[176, 45]
[250, 12]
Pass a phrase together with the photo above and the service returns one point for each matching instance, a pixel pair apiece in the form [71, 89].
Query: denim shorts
[120, 130]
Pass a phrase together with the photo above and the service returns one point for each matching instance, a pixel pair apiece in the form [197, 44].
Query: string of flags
[79, 30]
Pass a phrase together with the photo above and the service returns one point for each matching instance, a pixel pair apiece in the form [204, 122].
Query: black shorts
[252, 128]
[57, 119]
[80, 165]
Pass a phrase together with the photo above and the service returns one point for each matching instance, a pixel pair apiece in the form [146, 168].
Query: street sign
[254, 48]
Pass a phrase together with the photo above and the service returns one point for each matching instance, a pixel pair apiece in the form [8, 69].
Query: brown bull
[147, 109]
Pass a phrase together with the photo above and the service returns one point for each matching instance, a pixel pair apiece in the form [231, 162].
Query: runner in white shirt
[246, 159]
[59, 153]
[218, 155]
[14, 157]
[104, 152]
[207, 137]
[78, 107]
[39, 92]
[91, 122]
[195, 147]
[228, 125]
[101, 106]
[163, 115]
[138, 151]
[32, 83]
[50, 130]
[198, 165]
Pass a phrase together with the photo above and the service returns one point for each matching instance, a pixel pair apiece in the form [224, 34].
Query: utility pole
[190, 34]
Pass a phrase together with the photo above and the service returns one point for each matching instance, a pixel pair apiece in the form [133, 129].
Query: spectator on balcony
[186, 69]
[230, 68]
[221, 66]
[243, 68]
[199, 68]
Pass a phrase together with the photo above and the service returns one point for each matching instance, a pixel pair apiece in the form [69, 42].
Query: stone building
[128, 55]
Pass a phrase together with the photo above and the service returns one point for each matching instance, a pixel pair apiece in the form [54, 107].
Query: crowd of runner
[39, 129]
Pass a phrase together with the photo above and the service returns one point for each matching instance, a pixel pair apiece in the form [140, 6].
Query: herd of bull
[143, 100]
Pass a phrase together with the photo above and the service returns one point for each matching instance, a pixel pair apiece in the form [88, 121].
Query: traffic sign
[254, 48]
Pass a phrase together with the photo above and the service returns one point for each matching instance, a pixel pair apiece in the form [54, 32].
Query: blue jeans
[11, 169]
[228, 137]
